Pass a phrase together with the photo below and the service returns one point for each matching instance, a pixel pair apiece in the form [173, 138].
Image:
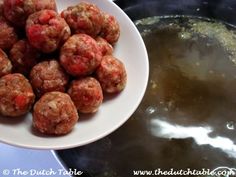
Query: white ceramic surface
[20, 162]
[113, 112]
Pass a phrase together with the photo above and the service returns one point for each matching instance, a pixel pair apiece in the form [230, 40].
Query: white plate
[113, 112]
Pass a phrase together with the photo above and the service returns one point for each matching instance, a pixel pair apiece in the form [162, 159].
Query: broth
[187, 116]
[193, 77]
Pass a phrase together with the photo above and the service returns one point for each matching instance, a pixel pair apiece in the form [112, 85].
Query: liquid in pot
[187, 116]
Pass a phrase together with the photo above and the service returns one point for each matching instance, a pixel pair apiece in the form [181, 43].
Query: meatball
[104, 46]
[8, 35]
[5, 64]
[80, 55]
[86, 94]
[46, 30]
[84, 18]
[55, 114]
[23, 57]
[17, 11]
[16, 95]
[110, 29]
[48, 76]
[1, 7]
[111, 74]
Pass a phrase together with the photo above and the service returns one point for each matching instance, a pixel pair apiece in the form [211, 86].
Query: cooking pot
[217, 9]
[140, 145]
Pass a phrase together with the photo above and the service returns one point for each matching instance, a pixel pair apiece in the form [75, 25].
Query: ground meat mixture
[104, 46]
[84, 18]
[111, 74]
[80, 55]
[8, 35]
[55, 114]
[17, 11]
[48, 76]
[23, 57]
[31, 33]
[87, 94]
[1, 7]
[110, 29]
[5, 64]
[16, 95]
[46, 30]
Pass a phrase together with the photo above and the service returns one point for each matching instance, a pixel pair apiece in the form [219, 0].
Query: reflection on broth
[199, 134]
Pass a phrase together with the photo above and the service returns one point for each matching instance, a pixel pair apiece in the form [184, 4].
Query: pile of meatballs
[57, 65]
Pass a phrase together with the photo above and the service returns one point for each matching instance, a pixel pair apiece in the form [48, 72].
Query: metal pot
[203, 143]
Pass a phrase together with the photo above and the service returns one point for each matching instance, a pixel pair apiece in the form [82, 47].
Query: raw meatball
[104, 46]
[5, 64]
[111, 74]
[16, 95]
[46, 30]
[84, 18]
[86, 94]
[48, 76]
[55, 113]
[80, 55]
[23, 57]
[8, 35]
[110, 29]
[1, 7]
[17, 11]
